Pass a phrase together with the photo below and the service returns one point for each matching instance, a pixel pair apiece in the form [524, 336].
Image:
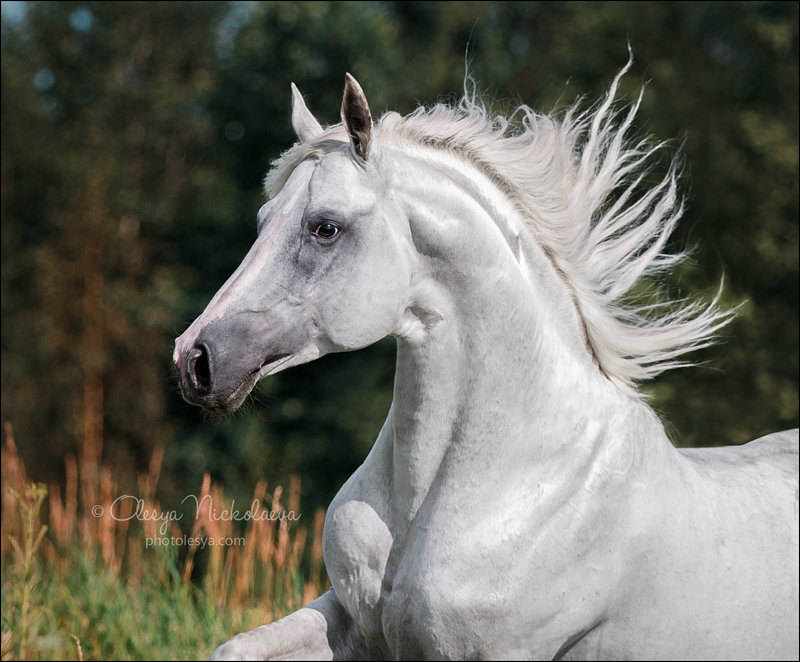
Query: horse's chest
[429, 613]
[415, 597]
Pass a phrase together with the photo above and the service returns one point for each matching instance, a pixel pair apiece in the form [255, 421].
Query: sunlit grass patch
[88, 585]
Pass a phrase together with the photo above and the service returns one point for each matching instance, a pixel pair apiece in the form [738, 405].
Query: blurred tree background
[135, 137]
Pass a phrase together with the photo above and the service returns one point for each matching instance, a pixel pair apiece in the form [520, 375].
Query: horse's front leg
[322, 630]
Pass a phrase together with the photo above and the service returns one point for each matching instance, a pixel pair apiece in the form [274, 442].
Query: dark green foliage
[135, 137]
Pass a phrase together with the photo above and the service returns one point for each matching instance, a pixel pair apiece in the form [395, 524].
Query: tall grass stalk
[25, 567]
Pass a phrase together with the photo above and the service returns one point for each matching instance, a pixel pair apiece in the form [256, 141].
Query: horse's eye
[326, 230]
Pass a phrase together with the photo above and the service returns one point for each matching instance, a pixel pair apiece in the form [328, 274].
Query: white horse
[522, 501]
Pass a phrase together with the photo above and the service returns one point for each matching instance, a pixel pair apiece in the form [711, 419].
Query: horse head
[328, 271]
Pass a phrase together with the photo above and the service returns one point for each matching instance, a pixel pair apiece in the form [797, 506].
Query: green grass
[86, 588]
[155, 615]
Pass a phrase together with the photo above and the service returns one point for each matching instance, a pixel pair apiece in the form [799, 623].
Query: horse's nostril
[199, 369]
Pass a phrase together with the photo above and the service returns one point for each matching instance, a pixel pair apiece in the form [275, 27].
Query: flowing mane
[577, 181]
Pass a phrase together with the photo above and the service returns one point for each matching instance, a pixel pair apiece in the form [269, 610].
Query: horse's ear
[304, 123]
[356, 117]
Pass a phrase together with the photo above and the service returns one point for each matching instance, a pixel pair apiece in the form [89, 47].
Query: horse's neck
[494, 382]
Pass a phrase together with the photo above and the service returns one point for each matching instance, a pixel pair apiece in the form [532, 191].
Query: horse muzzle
[219, 366]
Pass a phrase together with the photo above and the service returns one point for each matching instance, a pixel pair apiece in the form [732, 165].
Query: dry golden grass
[250, 576]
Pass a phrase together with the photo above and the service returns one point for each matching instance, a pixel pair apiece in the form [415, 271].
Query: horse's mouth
[233, 401]
[270, 364]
